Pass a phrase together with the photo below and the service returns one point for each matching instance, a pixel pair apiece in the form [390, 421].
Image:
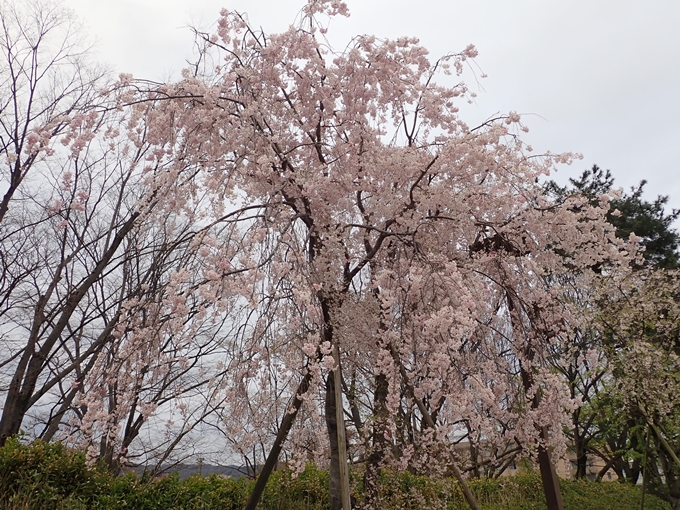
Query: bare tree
[85, 260]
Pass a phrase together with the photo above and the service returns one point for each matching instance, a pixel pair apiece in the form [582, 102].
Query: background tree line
[628, 390]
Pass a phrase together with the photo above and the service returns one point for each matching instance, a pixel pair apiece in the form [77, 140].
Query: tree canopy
[300, 251]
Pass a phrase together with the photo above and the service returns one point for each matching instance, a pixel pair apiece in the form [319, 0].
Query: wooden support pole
[342, 435]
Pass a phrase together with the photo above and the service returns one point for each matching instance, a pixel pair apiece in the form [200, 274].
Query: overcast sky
[599, 77]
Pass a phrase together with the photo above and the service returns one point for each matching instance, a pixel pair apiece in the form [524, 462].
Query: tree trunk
[427, 418]
[332, 427]
[581, 456]
[13, 415]
[32, 363]
[377, 446]
[342, 434]
[551, 485]
[273, 457]
[335, 423]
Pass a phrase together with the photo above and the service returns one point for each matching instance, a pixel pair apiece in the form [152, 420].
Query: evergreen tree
[631, 214]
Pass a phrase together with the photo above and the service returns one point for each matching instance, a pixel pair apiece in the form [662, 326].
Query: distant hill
[186, 470]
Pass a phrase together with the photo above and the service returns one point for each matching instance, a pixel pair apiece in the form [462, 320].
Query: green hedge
[521, 492]
[51, 477]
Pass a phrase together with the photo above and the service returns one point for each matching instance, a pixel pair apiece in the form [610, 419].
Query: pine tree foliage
[651, 222]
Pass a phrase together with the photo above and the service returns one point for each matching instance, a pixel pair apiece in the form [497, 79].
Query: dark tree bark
[378, 443]
[551, 485]
[273, 457]
[335, 487]
[20, 394]
[581, 455]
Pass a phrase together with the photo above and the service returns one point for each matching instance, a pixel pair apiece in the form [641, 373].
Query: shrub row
[49, 476]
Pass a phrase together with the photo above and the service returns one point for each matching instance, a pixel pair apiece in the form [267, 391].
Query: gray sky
[599, 77]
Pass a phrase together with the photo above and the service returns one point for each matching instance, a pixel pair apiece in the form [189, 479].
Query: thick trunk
[338, 490]
[378, 442]
[19, 396]
[334, 489]
[12, 416]
[551, 485]
[581, 457]
[19, 391]
[335, 423]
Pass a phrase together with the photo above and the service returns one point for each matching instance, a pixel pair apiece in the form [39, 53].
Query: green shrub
[49, 476]
[306, 491]
[525, 492]
[43, 474]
